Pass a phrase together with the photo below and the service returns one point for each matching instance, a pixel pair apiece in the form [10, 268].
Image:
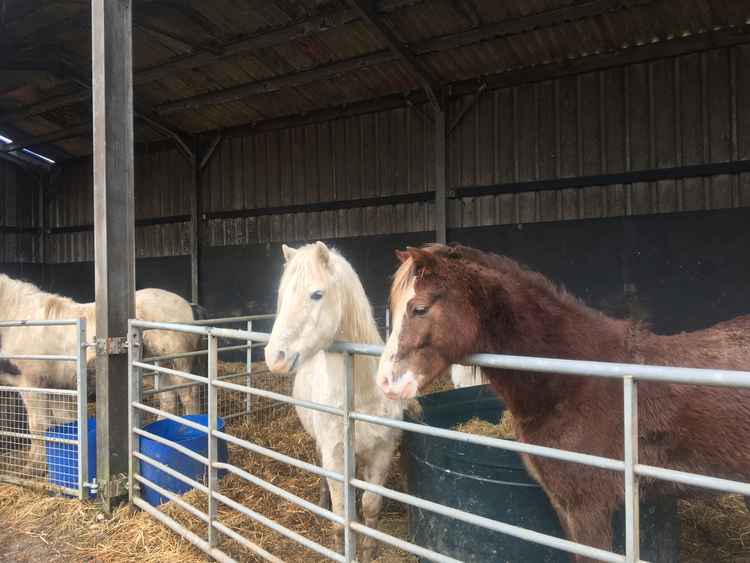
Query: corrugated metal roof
[167, 30]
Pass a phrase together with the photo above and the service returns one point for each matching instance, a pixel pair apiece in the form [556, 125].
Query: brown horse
[455, 301]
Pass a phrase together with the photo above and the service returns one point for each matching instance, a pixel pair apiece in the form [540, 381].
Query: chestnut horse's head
[433, 321]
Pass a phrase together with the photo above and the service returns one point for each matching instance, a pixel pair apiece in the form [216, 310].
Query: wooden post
[112, 81]
[440, 176]
[195, 172]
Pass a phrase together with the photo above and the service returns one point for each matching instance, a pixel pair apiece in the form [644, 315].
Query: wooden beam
[320, 23]
[467, 108]
[523, 24]
[365, 10]
[291, 80]
[322, 72]
[195, 225]
[114, 242]
[209, 152]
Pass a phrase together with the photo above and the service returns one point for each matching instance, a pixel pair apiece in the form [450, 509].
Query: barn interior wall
[19, 209]
[692, 109]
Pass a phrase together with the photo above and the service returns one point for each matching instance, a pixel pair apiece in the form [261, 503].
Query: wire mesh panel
[27, 455]
[40, 443]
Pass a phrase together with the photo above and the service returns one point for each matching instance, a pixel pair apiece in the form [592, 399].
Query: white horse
[24, 301]
[321, 299]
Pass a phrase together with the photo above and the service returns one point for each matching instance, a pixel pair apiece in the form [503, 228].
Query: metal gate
[629, 374]
[61, 412]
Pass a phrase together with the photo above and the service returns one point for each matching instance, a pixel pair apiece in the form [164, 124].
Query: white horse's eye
[316, 295]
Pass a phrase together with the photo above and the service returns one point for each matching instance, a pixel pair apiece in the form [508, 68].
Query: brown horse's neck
[539, 320]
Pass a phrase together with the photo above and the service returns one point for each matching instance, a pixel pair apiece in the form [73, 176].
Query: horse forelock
[401, 281]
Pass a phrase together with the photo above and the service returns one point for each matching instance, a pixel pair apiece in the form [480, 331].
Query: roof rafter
[266, 38]
[633, 55]
[518, 25]
[366, 11]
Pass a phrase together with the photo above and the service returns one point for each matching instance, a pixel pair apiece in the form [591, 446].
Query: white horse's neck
[357, 323]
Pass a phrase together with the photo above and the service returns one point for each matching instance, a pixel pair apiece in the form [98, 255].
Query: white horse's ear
[288, 251]
[323, 251]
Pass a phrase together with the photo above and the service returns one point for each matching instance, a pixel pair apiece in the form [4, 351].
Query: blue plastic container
[62, 459]
[187, 437]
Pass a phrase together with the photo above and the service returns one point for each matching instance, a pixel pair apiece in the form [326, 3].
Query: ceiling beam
[518, 25]
[365, 10]
[291, 80]
[523, 24]
[319, 23]
[633, 55]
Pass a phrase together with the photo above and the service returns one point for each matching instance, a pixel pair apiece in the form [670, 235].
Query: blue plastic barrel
[190, 438]
[62, 459]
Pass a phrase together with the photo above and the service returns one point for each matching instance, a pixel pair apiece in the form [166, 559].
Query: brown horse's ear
[402, 255]
[423, 260]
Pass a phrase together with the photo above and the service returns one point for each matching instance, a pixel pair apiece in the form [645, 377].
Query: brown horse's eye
[420, 310]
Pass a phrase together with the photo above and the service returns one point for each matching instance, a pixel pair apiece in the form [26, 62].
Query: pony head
[309, 308]
[431, 325]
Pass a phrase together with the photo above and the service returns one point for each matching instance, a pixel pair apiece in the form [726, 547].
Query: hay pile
[81, 533]
[716, 530]
[504, 429]
[711, 530]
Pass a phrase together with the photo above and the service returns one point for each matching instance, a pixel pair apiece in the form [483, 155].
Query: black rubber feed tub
[494, 483]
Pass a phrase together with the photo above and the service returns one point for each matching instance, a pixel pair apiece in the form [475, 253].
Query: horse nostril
[280, 356]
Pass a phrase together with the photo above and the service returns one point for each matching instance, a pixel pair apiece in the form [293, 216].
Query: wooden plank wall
[676, 111]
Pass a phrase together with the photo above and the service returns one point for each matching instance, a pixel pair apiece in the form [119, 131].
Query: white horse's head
[310, 307]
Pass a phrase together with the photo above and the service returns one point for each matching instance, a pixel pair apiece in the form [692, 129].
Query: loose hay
[504, 429]
[84, 534]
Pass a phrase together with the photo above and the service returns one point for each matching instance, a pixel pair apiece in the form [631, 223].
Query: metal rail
[632, 470]
[77, 397]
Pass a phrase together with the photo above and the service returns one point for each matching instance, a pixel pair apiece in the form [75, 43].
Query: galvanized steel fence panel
[55, 407]
[632, 470]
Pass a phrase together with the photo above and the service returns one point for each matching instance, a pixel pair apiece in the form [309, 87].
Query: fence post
[350, 511]
[82, 407]
[249, 371]
[213, 448]
[632, 520]
[157, 376]
[135, 395]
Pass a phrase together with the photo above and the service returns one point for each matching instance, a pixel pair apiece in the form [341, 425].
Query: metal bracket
[112, 345]
[115, 487]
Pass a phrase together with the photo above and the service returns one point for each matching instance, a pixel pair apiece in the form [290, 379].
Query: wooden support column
[441, 173]
[112, 79]
[195, 174]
